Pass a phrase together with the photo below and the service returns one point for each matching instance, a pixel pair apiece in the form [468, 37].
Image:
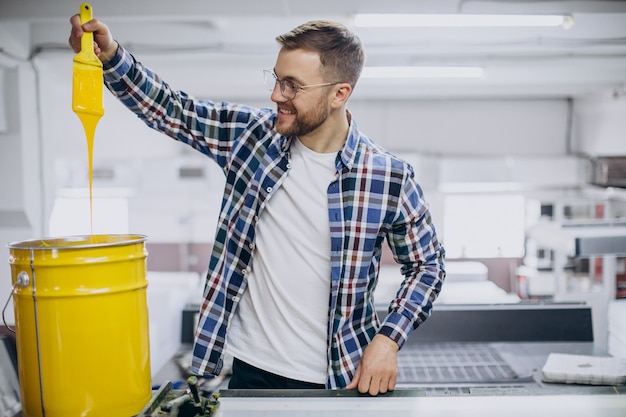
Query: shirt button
[251, 245]
[268, 189]
[235, 299]
[246, 271]
[256, 219]
[288, 166]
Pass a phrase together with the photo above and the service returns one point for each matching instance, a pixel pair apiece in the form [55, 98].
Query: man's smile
[286, 111]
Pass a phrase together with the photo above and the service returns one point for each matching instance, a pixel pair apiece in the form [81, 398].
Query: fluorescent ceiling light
[423, 72]
[461, 20]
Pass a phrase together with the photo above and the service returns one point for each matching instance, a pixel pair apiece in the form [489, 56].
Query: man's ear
[342, 94]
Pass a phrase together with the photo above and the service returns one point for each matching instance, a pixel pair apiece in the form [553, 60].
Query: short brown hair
[340, 50]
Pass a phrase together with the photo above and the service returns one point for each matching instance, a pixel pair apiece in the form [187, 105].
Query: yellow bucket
[81, 320]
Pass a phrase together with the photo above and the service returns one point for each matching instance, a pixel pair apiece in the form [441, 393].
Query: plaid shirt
[374, 196]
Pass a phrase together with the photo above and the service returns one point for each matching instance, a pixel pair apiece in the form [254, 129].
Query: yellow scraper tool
[87, 91]
[87, 83]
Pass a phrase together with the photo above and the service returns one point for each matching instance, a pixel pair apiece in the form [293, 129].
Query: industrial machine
[464, 361]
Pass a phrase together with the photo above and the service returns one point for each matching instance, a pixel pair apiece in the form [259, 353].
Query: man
[308, 203]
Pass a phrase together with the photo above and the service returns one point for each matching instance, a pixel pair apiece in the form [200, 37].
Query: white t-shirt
[281, 323]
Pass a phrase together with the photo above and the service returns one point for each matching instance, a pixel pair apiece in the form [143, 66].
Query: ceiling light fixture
[461, 20]
[423, 72]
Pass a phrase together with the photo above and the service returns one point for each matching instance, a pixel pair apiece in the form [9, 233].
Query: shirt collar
[349, 150]
[285, 143]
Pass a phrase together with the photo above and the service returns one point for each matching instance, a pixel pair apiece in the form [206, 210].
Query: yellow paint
[87, 93]
[82, 326]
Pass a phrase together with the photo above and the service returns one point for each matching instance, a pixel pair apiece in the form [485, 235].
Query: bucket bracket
[22, 280]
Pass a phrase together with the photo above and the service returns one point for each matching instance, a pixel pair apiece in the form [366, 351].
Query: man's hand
[104, 46]
[377, 370]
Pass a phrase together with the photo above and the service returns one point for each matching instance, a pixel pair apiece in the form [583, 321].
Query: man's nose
[276, 95]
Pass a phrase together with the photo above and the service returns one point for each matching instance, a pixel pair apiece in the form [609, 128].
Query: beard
[305, 123]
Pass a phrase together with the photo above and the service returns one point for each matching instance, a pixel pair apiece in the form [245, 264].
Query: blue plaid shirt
[373, 197]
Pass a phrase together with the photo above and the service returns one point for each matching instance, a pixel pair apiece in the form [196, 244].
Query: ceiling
[216, 47]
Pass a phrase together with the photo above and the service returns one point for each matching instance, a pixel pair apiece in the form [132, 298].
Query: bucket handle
[22, 280]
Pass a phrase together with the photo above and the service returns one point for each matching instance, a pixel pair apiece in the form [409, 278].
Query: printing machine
[466, 360]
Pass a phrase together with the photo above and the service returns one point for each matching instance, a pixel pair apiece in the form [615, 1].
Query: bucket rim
[55, 242]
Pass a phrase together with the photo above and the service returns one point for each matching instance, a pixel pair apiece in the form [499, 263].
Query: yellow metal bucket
[81, 320]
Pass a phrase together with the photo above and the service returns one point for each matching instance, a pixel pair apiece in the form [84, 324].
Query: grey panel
[550, 322]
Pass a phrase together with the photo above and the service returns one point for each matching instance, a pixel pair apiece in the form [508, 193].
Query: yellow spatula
[87, 90]
[87, 85]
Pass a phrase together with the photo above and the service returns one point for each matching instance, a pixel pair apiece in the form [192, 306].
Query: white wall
[467, 127]
[599, 127]
[442, 127]
[21, 216]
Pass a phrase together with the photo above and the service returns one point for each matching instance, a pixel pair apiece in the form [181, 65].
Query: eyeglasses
[288, 89]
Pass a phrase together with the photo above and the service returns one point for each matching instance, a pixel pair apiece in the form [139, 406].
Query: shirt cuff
[116, 67]
[397, 327]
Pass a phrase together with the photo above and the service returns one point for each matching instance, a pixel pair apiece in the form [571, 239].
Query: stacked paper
[584, 369]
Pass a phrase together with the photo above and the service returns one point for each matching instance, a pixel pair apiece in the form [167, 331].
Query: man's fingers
[392, 382]
[365, 384]
[76, 33]
[374, 387]
[383, 385]
[374, 384]
[75, 20]
[377, 370]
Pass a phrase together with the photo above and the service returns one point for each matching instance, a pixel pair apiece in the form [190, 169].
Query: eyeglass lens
[286, 88]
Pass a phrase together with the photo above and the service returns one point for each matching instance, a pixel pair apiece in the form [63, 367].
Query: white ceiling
[219, 47]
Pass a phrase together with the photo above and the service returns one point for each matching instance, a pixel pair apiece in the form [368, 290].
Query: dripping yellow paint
[87, 93]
